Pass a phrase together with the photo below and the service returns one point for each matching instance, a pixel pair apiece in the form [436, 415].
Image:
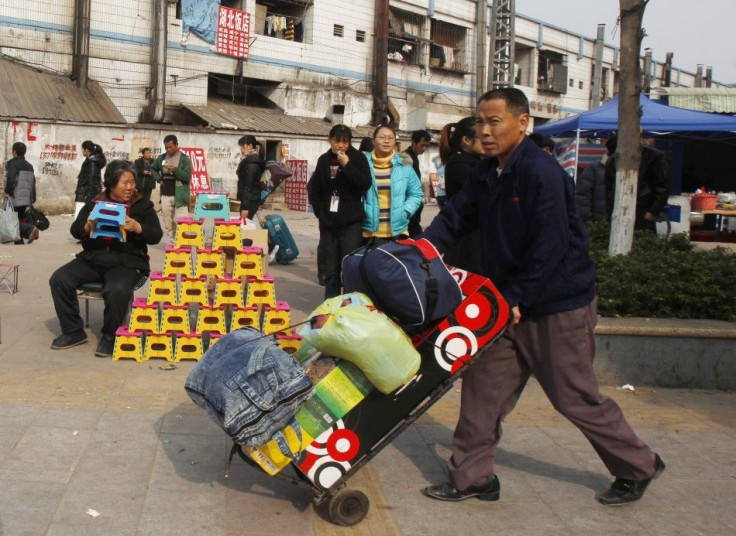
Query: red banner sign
[233, 32]
[200, 178]
[295, 194]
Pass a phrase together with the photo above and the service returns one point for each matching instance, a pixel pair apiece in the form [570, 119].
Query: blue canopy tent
[657, 120]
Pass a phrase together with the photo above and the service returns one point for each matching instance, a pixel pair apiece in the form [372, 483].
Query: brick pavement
[79, 432]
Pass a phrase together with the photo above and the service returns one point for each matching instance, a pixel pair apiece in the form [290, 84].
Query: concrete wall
[660, 352]
[694, 363]
[56, 154]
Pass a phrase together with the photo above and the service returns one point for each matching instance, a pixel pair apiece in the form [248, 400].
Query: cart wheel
[348, 507]
[282, 262]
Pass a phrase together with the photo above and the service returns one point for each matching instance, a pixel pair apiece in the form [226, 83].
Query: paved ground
[80, 433]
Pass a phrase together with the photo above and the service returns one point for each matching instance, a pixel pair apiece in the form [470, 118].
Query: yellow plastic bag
[351, 328]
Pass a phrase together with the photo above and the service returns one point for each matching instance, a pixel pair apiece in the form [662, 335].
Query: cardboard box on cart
[336, 432]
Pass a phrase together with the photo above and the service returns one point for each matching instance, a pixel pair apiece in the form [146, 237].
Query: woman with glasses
[396, 191]
[460, 151]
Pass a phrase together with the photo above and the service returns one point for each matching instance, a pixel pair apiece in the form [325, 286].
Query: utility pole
[481, 32]
[80, 58]
[503, 16]
[595, 97]
[628, 151]
[380, 64]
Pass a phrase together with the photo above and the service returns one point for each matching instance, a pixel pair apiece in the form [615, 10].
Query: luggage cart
[352, 440]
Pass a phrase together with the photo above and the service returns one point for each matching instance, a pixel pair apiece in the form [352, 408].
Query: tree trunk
[628, 152]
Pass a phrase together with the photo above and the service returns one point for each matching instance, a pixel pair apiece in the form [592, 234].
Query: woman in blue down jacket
[395, 193]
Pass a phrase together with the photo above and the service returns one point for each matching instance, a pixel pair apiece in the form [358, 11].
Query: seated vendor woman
[118, 264]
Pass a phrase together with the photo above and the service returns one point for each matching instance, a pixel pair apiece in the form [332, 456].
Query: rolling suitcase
[279, 235]
[347, 422]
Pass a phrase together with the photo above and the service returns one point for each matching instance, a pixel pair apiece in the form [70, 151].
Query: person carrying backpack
[20, 187]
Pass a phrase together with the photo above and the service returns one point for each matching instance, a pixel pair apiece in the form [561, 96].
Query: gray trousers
[558, 350]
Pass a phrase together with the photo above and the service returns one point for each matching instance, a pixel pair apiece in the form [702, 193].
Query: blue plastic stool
[109, 220]
[212, 205]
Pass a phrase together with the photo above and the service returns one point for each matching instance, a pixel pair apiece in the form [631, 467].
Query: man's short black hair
[514, 98]
[19, 148]
[171, 137]
[420, 135]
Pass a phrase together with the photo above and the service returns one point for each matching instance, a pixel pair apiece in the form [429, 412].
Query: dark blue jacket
[534, 244]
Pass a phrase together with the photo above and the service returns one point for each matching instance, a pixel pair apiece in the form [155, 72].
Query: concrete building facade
[321, 69]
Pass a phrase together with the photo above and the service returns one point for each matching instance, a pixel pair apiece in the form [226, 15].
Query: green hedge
[663, 278]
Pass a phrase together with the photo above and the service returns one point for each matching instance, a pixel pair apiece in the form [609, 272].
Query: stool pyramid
[224, 286]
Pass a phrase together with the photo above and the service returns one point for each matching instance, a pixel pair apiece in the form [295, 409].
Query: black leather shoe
[624, 491]
[67, 340]
[490, 491]
[105, 347]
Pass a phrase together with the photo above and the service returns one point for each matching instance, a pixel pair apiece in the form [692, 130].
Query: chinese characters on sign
[296, 186]
[233, 32]
[200, 179]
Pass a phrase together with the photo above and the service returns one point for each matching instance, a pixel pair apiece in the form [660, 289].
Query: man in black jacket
[336, 191]
[653, 185]
[419, 144]
[535, 250]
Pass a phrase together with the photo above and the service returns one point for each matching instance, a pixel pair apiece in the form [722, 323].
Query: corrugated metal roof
[28, 93]
[701, 99]
[222, 114]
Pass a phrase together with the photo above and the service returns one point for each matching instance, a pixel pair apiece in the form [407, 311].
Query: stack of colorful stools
[209, 286]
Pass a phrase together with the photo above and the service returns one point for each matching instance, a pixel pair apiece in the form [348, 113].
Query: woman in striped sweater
[396, 191]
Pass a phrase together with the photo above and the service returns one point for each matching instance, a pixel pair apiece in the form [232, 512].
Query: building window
[284, 19]
[572, 82]
[404, 32]
[580, 84]
[338, 30]
[360, 36]
[551, 72]
[448, 46]
[523, 65]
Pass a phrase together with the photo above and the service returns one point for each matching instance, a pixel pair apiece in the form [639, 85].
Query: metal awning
[226, 115]
[32, 94]
[701, 99]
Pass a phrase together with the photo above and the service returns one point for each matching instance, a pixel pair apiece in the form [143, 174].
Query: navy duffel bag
[406, 279]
